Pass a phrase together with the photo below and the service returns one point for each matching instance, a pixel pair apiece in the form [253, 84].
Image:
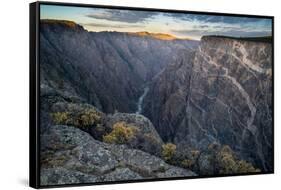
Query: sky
[181, 25]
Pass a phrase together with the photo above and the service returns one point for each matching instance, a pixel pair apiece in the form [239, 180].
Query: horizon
[141, 32]
[179, 25]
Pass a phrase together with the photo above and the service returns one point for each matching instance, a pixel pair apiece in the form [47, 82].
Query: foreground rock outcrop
[146, 137]
[69, 155]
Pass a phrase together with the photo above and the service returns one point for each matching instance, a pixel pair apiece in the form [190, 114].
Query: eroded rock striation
[223, 95]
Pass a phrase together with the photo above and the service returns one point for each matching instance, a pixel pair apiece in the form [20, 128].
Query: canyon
[202, 96]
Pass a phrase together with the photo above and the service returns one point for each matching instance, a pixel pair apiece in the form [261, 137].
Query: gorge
[211, 98]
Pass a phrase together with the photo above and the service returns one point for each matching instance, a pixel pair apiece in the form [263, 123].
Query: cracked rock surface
[73, 156]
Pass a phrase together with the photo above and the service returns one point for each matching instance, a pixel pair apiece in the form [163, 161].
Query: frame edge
[33, 132]
[34, 88]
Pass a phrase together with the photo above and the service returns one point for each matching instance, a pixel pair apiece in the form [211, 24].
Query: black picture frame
[34, 90]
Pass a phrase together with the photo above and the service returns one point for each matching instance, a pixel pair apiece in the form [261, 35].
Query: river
[140, 101]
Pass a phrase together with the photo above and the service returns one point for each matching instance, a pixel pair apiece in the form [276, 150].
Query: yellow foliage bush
[168, 151]
[229, 164]
[60, 117]
[85, 118]
[191, 160]
[187, 163]
[245, 167]
[121, 133]
[90, 117]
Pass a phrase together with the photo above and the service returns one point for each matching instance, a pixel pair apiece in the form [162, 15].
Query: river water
[140, 101]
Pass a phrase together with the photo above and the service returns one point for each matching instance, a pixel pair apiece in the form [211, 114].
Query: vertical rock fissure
[187, 99]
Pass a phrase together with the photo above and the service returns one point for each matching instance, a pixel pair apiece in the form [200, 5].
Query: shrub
[60, 117]
[230, 164]
[168, 151]
[245, 167]
[90, 117]
[190, 160]
[227, 163]
[187, 163]
[84, 118]
[122, 133]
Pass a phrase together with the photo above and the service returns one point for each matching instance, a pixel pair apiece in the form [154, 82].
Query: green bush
[168, 151]
[122, 133]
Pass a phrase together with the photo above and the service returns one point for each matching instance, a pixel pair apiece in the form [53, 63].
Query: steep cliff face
[165, 102]
[84, 78]
[106, 69]
[223, 95]
[125, 106]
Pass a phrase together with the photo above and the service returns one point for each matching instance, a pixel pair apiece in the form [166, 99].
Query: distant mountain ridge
[73, 25]
[160, 36]
[61, 23]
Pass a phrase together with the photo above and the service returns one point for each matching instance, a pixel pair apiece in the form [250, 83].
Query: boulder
[146, 138]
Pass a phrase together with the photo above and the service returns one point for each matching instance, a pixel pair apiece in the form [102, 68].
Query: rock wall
[224, 95]
[106, 69]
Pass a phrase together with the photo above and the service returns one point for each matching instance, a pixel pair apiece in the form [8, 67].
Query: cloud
[231, 32]
[123, 15]
[185, 24]
[101, 25]
[201, 26]
[217, 19]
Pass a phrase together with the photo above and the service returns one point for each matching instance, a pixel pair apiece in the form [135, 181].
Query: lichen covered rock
[70, 155]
